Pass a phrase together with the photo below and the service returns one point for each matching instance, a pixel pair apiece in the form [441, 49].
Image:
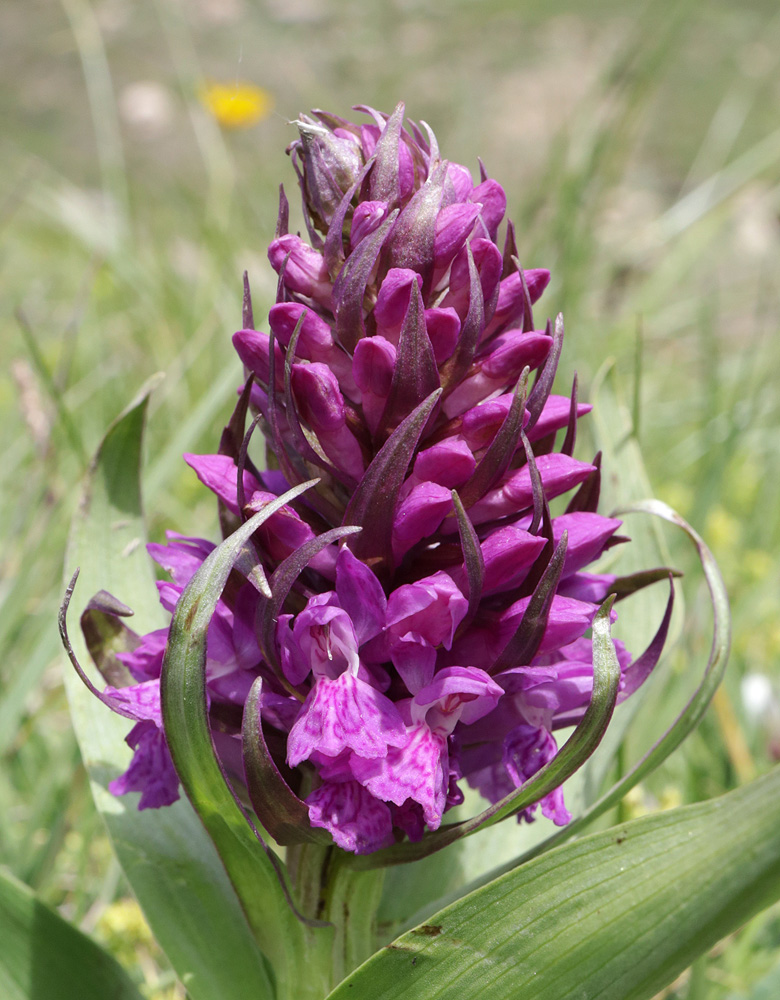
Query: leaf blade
[45, 956]
[615, 915]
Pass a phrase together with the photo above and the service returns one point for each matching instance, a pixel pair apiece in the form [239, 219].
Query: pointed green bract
[280, 810]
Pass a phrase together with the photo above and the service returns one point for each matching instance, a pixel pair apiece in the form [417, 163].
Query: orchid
[436, 630]
[408, 609]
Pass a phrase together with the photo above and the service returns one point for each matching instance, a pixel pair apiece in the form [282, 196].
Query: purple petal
[322, 640]
[305, 271]
[526, 750]
[419, 771]
[588, 535]
[182, 557]
[419, 515]
[448, 463]
[360, 594]
[344, 713]
[431, 608]
[151, 771]
[456, 694]
[443, 327]
[145, 662]
[356, 820]
[220, 474]
[140, 702]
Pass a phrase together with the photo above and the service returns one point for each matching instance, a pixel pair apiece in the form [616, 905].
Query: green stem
[352, 900]
[326, 889]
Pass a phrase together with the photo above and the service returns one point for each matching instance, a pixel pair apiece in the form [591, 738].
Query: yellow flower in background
[237, 105]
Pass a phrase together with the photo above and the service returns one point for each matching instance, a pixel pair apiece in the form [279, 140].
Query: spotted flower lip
[446, 640]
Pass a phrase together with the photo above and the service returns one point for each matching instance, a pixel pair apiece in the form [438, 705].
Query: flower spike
[363, 642]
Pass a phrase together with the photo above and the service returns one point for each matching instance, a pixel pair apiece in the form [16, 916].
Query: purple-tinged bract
[403, 367]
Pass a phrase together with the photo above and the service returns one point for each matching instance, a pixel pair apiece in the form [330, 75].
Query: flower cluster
[445, 641]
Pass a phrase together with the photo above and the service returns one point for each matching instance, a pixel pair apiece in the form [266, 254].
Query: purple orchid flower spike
[419, 618]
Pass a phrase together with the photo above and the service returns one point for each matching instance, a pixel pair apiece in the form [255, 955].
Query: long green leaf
[42, 956]
[169, 860]
[616, 915]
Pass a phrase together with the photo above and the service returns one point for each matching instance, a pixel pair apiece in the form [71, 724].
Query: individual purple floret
[447, 640]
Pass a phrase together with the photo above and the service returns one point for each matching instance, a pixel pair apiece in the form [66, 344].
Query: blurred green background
[639, 145]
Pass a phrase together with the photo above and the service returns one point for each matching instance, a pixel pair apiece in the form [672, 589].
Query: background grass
[640, 150]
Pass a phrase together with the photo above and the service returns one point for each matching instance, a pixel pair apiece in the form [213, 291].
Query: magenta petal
[487, 259]
[460, 178]
[254, 349]
[431, 608]
[567, 621]
[356, 820]
[453, 226]
[305, 271]
[368, 216]
[508, 553]
[315, 341]
[344, 713]
[372, 367]
[537, 279]
[526, 750]
[559, 473]
[414, 659]
[443, 328]
[151, 771]
[392, 302]
[555, 416]
[321, 406]
[510, 352]
[360, 594]
[490, 195]
[456, 694]
[494, 371]
[419, 770]
[482, 423]
[592, 587]
[588, 535]
[418, 515]
[448, 463]
[220, 474]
